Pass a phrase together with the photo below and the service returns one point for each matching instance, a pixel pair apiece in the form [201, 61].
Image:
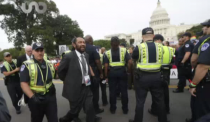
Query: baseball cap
[158, 37]
[147, 30]
[187, 34]
[37, 45]
[206, 23]
[6, 54]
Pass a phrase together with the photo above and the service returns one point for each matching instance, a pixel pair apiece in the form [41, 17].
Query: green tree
[195, 29]
[103, 43]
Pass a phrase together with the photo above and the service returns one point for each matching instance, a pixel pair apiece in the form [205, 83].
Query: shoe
[131, 120]
[125, 112]
[64, 119]
[112, 111]
[98, 119]
[152, 113]
[188, 120]
[18, 111]
[77, 120]
[178, 91]
[105, 104]
[99, 111]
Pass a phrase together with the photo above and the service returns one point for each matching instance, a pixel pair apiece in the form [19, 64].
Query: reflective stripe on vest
[33, 73]
[122, 52]
[45, 56]
[143, 63]
[168, 55]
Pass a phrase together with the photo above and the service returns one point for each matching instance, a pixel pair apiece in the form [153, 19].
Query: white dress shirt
[80, 62]
[28, 57]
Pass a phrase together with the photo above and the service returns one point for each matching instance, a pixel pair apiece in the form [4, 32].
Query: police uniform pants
[166, 81]
[103, 92]
[95, 88]
[184, 73]
[202, 99]
[85, 101]
[118, 79]
[149, 82]
[15, 93]
[48, 108]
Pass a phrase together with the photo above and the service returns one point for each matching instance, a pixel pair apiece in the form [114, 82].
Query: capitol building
[160, 22]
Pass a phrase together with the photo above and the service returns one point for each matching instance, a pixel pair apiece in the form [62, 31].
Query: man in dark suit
[21, 59]
[74, 71]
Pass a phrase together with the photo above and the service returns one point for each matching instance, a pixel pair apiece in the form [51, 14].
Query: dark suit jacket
[21, 59]
[69, 71]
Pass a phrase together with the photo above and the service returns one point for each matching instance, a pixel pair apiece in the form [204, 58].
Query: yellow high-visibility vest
[143, 63]
[168, 55]
[122, 52]
[33, 73]
[8, 66]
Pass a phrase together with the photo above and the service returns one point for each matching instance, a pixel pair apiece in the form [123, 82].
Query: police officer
[12, 80]
[201, 81]
[184, 66]
[166, 67]
[95, 63]
[36, 77]
[115, 59]
[149, 56]
[103, 84]
[194, 60]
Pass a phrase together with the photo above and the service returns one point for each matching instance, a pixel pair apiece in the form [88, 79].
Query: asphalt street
[179, 103]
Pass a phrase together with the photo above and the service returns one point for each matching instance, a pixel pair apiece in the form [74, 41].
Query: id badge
[87, 80]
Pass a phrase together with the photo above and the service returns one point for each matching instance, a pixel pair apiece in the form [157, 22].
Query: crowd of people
[84, 69]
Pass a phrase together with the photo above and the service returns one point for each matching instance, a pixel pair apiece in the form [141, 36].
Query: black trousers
[85, 101]
[202, 101]
[118, 79]
[48, 108]
[15, 93]
[166, 81]
[184, 73]
[103, 92]
[95, 88]
[152, 82]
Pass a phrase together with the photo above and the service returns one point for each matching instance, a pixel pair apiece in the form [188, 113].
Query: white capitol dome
[160, 22]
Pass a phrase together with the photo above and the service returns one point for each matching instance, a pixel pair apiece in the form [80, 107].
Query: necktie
[83, 65]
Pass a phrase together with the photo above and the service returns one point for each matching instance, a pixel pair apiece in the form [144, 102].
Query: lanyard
[42, 73]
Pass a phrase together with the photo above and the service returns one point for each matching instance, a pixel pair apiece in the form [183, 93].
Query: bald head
[28, 50]
[103, 49]
[89, 39]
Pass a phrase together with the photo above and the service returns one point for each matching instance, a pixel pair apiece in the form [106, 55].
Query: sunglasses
[8, 55]
[39, 50]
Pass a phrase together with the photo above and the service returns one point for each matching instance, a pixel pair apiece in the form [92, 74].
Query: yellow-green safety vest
[122, 52]
[143, 63]
[101, 59]
[8, 66]
[33, 73]
[168, 55]
[65, 53]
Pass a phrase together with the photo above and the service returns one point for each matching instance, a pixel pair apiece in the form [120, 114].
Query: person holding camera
[12, 80]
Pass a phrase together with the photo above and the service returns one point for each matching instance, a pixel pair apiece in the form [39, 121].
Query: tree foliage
[51, 28]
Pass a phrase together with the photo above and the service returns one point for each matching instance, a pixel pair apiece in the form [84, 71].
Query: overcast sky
[104, 17]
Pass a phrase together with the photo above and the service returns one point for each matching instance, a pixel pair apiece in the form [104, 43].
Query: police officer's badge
[38, 44]
[187, 45]
[1, 65]
[205, 46]
[22, 68]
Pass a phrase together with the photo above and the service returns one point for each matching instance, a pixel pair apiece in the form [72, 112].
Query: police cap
[206, 23]
[187, 34]
[147, 30]
[158, 37]
[37, 45]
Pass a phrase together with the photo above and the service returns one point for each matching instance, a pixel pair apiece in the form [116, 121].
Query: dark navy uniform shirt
[195, 50]
[151, 52]
[179, 56]
[204, 57]
[93, 53]
[14, 78]
[187, 47]
[24, 73]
